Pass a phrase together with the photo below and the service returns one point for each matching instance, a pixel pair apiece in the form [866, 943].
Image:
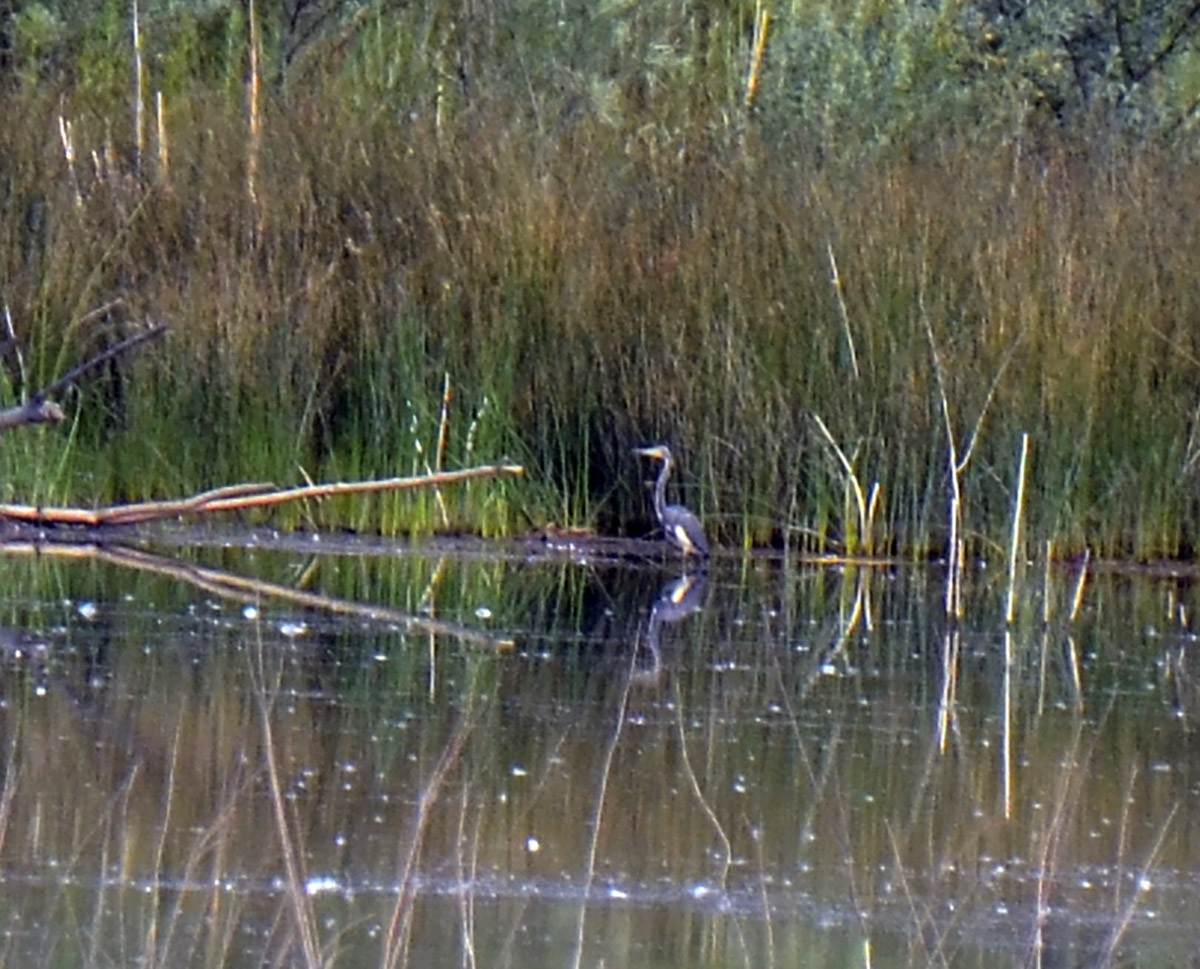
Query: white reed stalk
[758, 50]
[253, 119]
[139, 83]
[66, 134]
[1077, 601]
[865, 509]
[164, 152]
[839, 291]
[1014, 544]
[1007, 739]
[1047, 607]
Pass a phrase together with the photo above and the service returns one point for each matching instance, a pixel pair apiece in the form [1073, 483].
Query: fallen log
[240, 497]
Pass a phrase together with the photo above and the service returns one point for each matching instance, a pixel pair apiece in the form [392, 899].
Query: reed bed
[414, 255]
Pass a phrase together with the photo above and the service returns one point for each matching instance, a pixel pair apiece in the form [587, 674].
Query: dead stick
[359, 487]
[40, 410]
[237, 498]
[151, 510]
[37, 411]
[99, 360]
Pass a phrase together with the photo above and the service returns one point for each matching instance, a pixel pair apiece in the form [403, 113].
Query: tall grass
[595, 251]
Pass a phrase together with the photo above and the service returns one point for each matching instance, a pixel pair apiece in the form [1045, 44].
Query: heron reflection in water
[677, 600]
[681, 527]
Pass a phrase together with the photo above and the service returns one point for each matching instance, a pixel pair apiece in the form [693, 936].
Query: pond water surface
[319, 752]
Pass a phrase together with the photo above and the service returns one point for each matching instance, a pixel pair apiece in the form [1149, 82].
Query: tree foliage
[849, 76]
[873, 74]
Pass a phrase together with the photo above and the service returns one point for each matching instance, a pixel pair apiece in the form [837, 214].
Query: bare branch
[39, 409]
[35, 412]
[71, 376]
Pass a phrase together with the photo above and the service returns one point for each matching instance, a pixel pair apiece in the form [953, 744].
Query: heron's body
[681, 528]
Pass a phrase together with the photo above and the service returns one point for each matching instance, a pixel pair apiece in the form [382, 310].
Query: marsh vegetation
[842, 257]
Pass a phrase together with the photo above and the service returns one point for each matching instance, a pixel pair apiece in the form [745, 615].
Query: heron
[682, 528]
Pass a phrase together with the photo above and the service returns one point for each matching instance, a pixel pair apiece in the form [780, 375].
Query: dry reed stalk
[443, 424]
[1047, 608]
[1014, 544]
[12, 776]
[152, 943]
[694, 782]
[1072, 652]
[139, 84]
[835, 280]
[1064, 808]
[957, 466]
[758, 51]
[399, 930]
[1142, 884]
[946, 701]
[289, 838]
[253, 118]
[440, 453]
[160, 127]
[11, 342]
[1077, 599]
[597, 820]
[865, 507]
[66, 136]
[1006, 742]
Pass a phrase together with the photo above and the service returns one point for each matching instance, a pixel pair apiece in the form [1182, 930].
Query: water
[333, 752]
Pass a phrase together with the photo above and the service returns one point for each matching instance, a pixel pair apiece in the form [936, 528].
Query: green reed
[387, 273]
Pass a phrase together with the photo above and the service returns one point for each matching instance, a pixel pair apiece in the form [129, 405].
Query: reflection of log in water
[229, 585]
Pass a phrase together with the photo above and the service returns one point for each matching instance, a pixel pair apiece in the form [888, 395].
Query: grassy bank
[454, 242]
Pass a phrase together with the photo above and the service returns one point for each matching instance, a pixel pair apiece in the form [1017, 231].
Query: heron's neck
[660, 490]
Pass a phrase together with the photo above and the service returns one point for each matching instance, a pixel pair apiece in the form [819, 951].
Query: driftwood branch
[71, 376]
[238, 498]
[34, 412]
[39, 409]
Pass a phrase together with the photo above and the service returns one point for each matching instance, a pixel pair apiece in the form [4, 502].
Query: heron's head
[659, 451]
